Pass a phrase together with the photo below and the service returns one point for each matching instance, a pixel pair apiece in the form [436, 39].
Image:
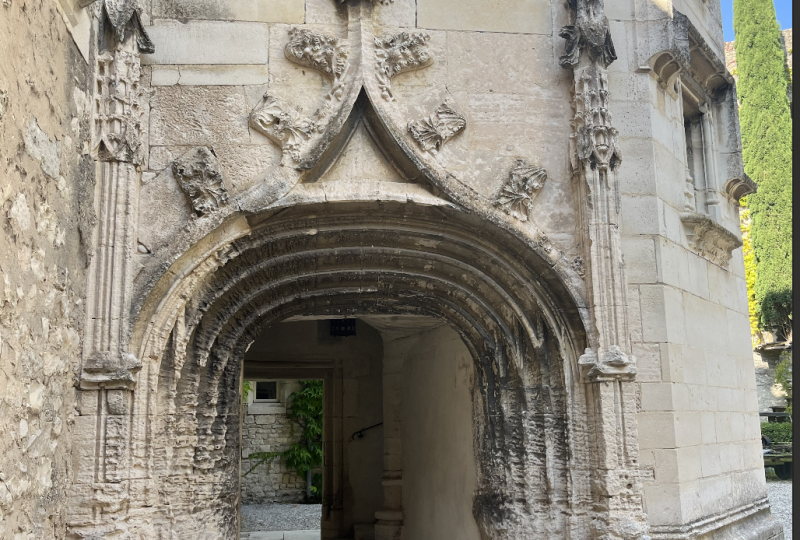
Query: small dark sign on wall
[343, 327]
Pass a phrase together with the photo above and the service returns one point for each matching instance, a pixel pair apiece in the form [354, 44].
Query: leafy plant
[305, 455]
[783, 377]
[767, 148]
[777, 432]
[248, 387]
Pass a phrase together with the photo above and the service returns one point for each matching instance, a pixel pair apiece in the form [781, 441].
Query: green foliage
[750, 272]
[247, 388]
[767, 147]
[777, 432]
[306, 455]
[783, 377]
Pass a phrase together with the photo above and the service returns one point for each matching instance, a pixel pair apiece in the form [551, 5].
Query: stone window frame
[266, 407]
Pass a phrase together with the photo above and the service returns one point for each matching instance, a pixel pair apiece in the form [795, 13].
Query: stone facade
[529, 206]
[266, 428]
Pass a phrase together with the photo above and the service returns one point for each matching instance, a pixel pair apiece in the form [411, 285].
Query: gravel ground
[281, 517]
[307, 517]
[780, 497]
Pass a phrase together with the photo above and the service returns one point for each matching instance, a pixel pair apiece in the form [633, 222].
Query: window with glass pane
[267, 391]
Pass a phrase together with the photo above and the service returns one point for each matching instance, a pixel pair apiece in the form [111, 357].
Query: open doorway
[281, 481]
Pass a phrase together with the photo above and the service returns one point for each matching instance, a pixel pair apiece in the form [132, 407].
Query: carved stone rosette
[282, 125]
[520, 190]
[433, 132]
[200, 179]
[607, 366]
[400, 53]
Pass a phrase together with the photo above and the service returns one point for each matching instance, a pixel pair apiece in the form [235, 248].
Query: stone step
[286, 535]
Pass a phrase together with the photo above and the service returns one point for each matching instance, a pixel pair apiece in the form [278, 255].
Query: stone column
[712, 187]
[607, 367]
[108, 374]
[391, 517]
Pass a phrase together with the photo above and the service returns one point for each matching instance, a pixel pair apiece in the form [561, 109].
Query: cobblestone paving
[780, 497]
[281, 517]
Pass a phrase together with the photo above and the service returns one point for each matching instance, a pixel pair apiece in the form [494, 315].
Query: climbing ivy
[305, 455]
[750, 272]
[783, 377]
[767, 148]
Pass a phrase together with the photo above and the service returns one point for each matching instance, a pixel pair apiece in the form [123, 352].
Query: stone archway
[520, 326]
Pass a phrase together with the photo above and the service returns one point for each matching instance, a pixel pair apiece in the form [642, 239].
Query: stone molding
[125, 17]
[710, 239]
[709, 525]
[400, 53]
[433, 132]
[523, 185]
[198, 175]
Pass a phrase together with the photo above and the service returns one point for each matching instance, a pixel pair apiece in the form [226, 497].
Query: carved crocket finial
[590, 31]
[282, 125]
[400, 53]
[433, 132]
[520, 190]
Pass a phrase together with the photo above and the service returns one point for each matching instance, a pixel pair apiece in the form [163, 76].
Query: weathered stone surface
[210, 75]
[514, 16]
[209, 42]
[198, 116]
[274, 11]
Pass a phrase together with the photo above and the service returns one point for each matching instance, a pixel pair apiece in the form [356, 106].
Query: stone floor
[780, 498]
[281, 517]
[276, 535]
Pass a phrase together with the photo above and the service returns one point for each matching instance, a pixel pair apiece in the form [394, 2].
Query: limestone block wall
[46, 194]
[267, 428]
[698, 422]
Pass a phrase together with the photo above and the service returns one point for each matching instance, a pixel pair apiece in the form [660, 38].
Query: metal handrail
[360, 434]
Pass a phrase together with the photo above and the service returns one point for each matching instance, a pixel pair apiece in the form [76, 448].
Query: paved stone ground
[304, 519]
[780, 497]
[281, 517]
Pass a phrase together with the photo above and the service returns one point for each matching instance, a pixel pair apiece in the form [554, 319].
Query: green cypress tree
[767, 146]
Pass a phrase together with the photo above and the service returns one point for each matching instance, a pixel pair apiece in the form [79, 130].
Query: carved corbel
[282, 125]
[400, 53]
[198, 175]
[322, 53]
[521, 189]
[433, 132]
[611, 365]
[710, 239]
[739, 187]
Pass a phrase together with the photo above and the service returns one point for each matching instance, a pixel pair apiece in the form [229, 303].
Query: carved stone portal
[520, 190]
[400, 53]
[434, 131]
[710, 239]
[200, 179]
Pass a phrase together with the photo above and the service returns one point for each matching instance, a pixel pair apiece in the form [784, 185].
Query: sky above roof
[782, 7]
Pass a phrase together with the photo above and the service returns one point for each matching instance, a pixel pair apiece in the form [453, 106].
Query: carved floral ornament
[400, 53]
[282, 125]
[520, 190]
[433, 132]
[200, 179]
[320, 52]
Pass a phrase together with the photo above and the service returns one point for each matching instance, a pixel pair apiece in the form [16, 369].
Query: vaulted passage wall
[515, 318]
